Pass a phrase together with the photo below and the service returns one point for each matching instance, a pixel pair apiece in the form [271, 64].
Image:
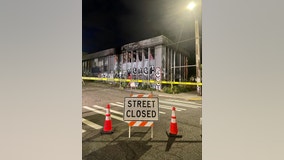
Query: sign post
[141, 110]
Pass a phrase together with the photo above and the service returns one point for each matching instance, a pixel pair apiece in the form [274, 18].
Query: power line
[189, 39]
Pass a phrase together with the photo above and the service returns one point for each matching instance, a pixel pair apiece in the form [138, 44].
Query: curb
[195, 99]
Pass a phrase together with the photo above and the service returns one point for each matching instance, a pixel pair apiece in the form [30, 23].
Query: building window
[140, 55]
[124, 57]
[134, 56]
[129, 56]
[152, 54]
[145, 50]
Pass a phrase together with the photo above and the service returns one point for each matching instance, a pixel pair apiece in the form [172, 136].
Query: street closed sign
[141, 109]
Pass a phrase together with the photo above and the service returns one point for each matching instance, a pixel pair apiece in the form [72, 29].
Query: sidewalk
[189, 96]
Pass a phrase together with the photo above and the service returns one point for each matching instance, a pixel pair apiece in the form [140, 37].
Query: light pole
[191, 6]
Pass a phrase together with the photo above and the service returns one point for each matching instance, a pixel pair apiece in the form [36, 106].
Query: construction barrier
[140, 81]
[136, 123]
[140, 124]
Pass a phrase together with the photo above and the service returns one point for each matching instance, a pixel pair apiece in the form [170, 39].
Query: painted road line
[118, 105]
[184, 102]
[170, 108]
[102, 113]
[111, 111]
[91, 124]
[178, 104]
[89, 113]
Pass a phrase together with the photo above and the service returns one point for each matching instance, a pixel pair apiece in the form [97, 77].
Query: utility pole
[197, 58]
[191, 6]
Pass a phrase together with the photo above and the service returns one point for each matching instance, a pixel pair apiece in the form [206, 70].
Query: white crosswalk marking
[102, 113]
[185, 102]
[162, 112]
[86, 114]
[170, 108]
[118, 105]
[179, 104]
[91, 124]
[165, 104]
[111, 110]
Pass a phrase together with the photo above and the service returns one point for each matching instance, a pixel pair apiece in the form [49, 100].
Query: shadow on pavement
[171, 140]
[121, 150]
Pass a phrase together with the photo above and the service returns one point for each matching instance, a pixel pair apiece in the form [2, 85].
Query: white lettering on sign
[136, 109]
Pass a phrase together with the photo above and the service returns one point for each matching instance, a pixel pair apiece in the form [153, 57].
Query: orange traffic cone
[173, 125]
[108, 123]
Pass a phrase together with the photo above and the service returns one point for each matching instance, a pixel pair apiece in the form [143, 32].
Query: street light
[191, 7]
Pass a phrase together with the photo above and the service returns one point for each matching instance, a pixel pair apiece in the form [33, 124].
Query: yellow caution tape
[140, 81]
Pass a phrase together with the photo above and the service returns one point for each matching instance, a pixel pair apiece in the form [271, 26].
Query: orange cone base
[173, 135]
[106, 132]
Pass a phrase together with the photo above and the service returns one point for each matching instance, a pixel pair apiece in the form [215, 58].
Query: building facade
[151, 59]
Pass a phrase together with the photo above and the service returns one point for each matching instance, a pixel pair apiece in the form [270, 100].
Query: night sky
[112, 23]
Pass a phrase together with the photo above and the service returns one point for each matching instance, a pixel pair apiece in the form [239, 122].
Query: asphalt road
[118, 146]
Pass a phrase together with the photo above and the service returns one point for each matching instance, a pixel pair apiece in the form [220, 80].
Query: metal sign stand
[141, 123]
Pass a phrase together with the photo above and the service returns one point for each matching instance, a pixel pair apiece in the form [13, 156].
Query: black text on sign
[141, 108]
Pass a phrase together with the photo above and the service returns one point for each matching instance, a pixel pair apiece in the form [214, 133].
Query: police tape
[140, 81]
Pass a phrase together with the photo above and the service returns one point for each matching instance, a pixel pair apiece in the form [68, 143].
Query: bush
[178, 89]
[145, 86]
[115, 84]
[124, 84]
[167, 90]
[186, 88]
